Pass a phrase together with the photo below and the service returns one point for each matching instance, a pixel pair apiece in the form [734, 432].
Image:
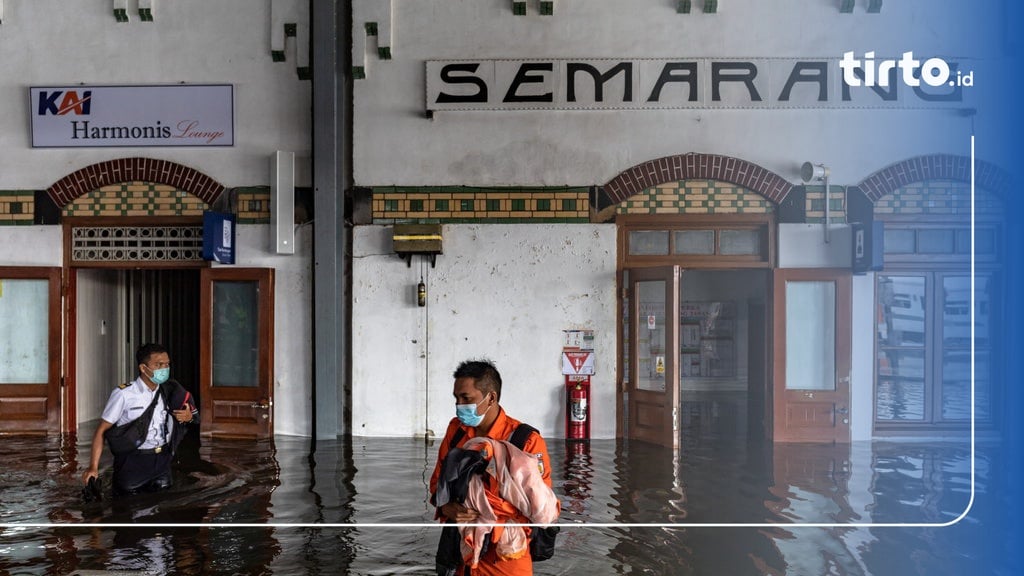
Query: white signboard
[577, 362]
[151, 116]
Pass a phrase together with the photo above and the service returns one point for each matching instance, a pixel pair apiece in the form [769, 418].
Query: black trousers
[142, 472]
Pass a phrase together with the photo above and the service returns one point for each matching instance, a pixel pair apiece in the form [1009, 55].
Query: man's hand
[184, 415]
[458, 513]
[90, 473]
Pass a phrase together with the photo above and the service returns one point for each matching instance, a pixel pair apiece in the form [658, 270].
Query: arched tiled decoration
[695, 165]
[90, 178]
[933, 167]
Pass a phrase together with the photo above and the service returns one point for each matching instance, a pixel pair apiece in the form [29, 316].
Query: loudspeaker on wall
[282, 201]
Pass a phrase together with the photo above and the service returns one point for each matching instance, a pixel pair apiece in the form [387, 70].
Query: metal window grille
[137, 243]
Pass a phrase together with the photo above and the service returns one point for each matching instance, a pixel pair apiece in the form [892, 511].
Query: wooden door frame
[69, 389]
[844, 285]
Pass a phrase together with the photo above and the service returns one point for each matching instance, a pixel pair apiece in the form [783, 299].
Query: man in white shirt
[145, 464]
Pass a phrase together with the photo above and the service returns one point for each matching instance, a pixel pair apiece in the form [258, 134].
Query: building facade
[695, 187]
[123, 123]
[637, 171]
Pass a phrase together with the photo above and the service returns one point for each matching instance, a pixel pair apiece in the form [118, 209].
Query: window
[923, 349]
[717, 242]
[923, 325]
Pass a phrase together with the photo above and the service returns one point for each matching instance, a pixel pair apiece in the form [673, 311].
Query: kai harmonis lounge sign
[593, 84]
[157, 116]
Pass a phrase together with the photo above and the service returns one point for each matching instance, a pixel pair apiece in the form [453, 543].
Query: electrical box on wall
[868, 246]
[412, 239]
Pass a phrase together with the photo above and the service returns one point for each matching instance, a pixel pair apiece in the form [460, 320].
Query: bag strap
[152, 404]
[520, 434]
[456, 438]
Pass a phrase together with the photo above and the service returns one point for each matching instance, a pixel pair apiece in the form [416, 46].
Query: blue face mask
[160, 375]
[466, 413]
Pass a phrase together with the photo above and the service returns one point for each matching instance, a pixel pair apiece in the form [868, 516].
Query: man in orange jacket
[477, 392]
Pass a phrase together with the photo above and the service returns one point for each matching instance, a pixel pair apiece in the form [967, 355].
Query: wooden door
[236, 357]
[653, 386]
[812, 325]
[30, 349]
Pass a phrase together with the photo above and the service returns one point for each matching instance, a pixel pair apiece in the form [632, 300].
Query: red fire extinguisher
[577, 408]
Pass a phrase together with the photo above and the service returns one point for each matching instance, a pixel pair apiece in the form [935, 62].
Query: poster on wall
[135, 116]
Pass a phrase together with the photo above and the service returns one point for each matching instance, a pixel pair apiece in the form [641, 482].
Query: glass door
[653, 386]
[812, 355]
[236, 358]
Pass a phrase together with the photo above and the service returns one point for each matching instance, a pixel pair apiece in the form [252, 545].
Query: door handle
[843, 411]
[263, 404]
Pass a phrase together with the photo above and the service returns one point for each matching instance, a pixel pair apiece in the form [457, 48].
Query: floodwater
[714, 479]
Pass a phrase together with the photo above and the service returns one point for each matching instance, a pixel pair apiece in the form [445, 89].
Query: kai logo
[70, 102]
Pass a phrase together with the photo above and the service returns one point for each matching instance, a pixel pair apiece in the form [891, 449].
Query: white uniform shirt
[128, 403]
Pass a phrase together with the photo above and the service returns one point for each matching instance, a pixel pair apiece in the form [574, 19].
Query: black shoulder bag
[130, 435]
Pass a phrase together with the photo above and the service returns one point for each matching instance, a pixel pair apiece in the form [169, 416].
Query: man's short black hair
[146, 350]
[485, 376]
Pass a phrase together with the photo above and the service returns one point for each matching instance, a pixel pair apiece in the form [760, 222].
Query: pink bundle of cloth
[511, 491]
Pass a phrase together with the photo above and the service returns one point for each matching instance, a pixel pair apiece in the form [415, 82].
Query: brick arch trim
[695, 165]
[71, 187]
[933, 167]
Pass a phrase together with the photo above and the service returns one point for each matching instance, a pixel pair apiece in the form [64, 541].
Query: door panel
[30, 352]
[236, 364]
[653, 385]
[812, 312]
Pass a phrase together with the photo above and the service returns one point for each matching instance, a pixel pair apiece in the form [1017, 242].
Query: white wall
[53, 42]
[395, 144]
[31, 245]
[293, 329]
[501, 291]
[804, 246]
[97, 345]
[862, 369]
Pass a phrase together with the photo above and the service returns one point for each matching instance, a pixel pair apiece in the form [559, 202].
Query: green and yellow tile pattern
[17, 207]
[936, 198]
[455, 204]
[696, 197]
[136, 199]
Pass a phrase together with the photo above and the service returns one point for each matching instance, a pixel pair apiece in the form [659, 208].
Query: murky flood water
[372, 480]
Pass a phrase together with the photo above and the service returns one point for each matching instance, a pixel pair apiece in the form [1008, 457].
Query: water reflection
[713, 479]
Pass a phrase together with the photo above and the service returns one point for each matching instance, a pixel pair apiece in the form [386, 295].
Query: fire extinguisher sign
[577, 363]
[578, 352]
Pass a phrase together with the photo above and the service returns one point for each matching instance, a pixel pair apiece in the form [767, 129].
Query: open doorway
[723, 354]
[116, 311]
